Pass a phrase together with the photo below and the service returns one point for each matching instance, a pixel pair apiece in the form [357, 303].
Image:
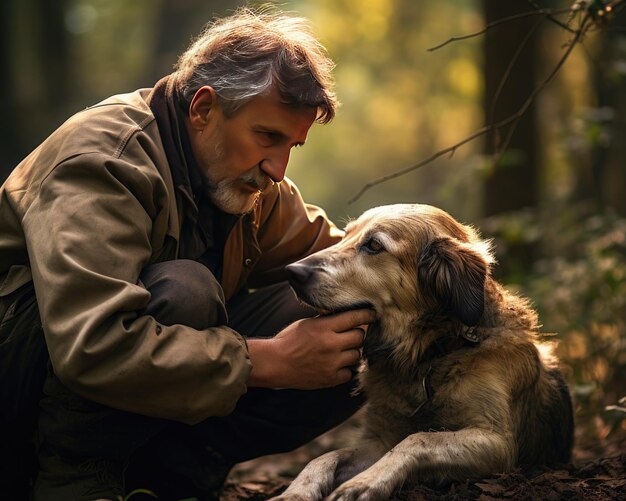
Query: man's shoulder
[131, 107]
[107, 127]
[121, 128]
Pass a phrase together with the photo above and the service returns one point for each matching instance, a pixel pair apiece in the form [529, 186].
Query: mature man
[146, 239]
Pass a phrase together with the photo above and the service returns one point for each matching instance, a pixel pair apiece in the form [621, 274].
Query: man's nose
[276, 166]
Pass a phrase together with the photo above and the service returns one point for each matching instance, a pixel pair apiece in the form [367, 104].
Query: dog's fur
[457, 382]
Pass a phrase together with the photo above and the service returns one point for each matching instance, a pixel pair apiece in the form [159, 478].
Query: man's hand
[310, 353]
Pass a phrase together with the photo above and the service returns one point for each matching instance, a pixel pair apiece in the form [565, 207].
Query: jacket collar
[204, 228]
[168, 114]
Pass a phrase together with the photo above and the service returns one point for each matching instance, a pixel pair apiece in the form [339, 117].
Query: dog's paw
[295, 496]
[356, 491]
[288, 497]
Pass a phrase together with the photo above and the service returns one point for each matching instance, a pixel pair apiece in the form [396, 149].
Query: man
[146, 239]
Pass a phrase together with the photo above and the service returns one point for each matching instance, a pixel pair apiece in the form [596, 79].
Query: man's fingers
[350, 358]
[350, 339]
[346, 320]
[344, 375]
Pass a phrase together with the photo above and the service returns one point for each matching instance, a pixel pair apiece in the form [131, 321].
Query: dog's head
[400, 260]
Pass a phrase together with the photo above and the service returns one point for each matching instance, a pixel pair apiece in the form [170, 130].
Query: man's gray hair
[250, 52]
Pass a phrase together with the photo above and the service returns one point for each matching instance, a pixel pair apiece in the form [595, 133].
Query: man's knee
[184, 292]
[266, 311]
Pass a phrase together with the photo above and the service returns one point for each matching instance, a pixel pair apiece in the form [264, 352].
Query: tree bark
[514, 181]
[604, 180]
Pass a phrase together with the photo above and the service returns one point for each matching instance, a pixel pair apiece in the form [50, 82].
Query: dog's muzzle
[299, 273]
[300, 278]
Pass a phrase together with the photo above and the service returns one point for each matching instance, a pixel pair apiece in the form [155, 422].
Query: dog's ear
[452, 275]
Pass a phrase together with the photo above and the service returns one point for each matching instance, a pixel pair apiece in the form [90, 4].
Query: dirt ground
[597, 472]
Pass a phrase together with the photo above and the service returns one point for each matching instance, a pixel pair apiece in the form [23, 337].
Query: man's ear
[202, 104]
[452, 275]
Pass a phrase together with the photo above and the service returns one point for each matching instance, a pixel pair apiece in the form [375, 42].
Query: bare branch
[451, 149]
[551, 17]
[548, 13]
[406, 170]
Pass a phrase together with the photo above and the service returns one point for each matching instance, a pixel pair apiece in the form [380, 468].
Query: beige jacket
[84, 213]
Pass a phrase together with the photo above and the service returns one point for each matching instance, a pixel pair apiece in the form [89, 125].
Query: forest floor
[597, 472]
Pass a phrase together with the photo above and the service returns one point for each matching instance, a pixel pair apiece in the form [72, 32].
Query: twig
[543, 12]
[451, 149]
[551, 17]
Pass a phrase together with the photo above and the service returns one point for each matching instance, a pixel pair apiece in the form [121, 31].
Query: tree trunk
[514, 182]
[605, 179]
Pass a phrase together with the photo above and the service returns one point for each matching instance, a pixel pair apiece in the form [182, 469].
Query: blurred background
[555, 202]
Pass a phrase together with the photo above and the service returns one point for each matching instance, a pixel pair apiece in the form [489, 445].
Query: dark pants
[87, 449]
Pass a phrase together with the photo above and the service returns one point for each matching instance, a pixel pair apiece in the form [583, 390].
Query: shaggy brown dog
[458, 384]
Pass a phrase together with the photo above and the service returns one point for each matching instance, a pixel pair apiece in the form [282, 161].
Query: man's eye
[269, 138]
[372, 246]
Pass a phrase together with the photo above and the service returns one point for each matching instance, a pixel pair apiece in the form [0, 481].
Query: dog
[458, 383]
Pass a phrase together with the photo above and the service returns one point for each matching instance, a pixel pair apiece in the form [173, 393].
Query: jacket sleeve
[89, 233]
[289, 230]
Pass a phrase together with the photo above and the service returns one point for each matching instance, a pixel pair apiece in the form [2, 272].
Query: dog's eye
[372, 246]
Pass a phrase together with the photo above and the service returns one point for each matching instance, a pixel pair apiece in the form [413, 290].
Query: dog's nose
[299, 273]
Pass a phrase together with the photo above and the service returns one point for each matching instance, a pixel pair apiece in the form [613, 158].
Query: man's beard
[228, 195]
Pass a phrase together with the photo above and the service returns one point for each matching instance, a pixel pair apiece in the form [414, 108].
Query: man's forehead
[270, 113]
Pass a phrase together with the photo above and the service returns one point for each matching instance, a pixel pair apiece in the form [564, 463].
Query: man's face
[242, 155]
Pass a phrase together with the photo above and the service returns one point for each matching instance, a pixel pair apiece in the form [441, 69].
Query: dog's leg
[437, 456]
[322, 474]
